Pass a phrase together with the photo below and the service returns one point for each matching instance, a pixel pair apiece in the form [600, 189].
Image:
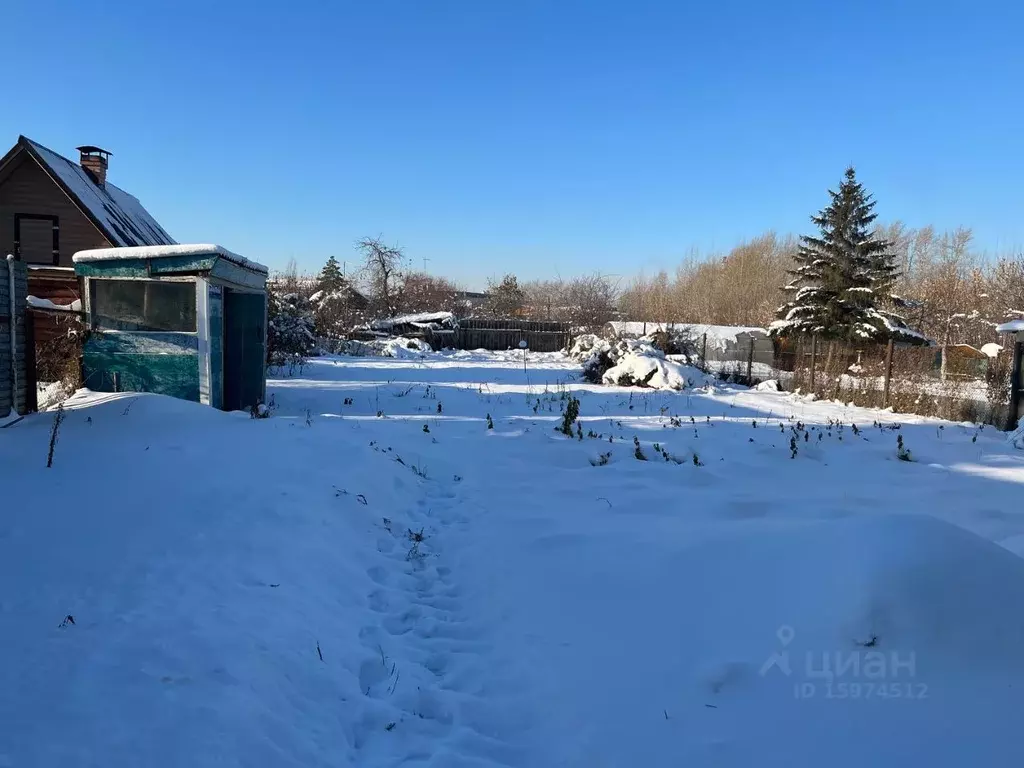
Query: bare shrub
[59, 358]
[428, 293]
[58, 419]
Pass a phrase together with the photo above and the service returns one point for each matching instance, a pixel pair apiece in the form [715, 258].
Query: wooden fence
[15, 394]
[929, 381]
[500, 334]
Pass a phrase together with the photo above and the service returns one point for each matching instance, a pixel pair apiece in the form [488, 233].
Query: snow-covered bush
[1016, 438]
[58, 361]
[594, 354]
[674, 341]
[630, 363]
[405, 349]
[400, 347]
[645, 366]
[771, 385]
[290, 328]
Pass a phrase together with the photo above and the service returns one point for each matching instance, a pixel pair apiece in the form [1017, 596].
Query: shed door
[244, 350]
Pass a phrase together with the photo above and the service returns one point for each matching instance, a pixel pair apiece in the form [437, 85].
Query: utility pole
[425, 260]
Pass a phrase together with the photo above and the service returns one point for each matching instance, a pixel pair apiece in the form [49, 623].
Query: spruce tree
[331, 279]
[843, 280]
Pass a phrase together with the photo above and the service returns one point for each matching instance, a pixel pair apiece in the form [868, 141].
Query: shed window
[143, 305]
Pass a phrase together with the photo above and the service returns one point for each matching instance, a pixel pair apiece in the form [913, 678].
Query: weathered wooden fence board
[490, 334]
[13, 380]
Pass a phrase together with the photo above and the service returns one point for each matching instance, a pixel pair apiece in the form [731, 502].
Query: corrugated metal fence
[501, 334]
[13, 379]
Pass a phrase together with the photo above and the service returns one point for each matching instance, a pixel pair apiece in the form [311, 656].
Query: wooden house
[52, 207]
[188, 321]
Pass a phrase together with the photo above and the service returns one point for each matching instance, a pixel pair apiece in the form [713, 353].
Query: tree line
[852, 279]
[384, 285]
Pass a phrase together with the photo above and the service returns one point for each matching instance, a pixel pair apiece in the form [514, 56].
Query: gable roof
[118, 215]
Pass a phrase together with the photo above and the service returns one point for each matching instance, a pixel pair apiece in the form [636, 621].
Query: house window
[143, 305]
[37, 238]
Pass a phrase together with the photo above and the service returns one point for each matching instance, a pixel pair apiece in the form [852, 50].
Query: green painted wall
[164, 363]
[215, 313]
[168, 265]
[245, 355]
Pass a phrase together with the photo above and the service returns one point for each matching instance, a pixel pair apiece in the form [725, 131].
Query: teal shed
[188, 321]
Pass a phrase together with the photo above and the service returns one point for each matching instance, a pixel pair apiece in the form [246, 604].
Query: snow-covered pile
[771, 385]
[631, 363]
[405, 349]
[644, 366]
[399, 347]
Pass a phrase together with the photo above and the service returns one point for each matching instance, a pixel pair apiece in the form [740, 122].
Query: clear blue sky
[536, 137]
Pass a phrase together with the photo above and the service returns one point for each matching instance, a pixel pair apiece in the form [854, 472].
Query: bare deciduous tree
[590, 300]
[428, 293]
[383, 273]
[740, 288]
[545, 299]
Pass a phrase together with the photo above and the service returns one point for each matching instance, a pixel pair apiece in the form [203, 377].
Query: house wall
[215, 324]
[60, 286]
[28, 189]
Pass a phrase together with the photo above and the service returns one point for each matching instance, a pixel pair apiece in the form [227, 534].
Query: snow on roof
[161, 251]
[1014, 326]
[119, 215]
[714, 332]
[901, 330]
[992, 349]
[420, 319]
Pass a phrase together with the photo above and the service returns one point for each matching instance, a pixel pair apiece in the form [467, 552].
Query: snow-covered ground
[334, 587]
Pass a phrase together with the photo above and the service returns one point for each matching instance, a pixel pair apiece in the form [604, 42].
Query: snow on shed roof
[161, 251]
[992, 349]
[725, 332]
[1014, 326]
[120, 216]
[420, 319]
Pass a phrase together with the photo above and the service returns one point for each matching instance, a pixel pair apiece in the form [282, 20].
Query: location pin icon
[785, 633]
